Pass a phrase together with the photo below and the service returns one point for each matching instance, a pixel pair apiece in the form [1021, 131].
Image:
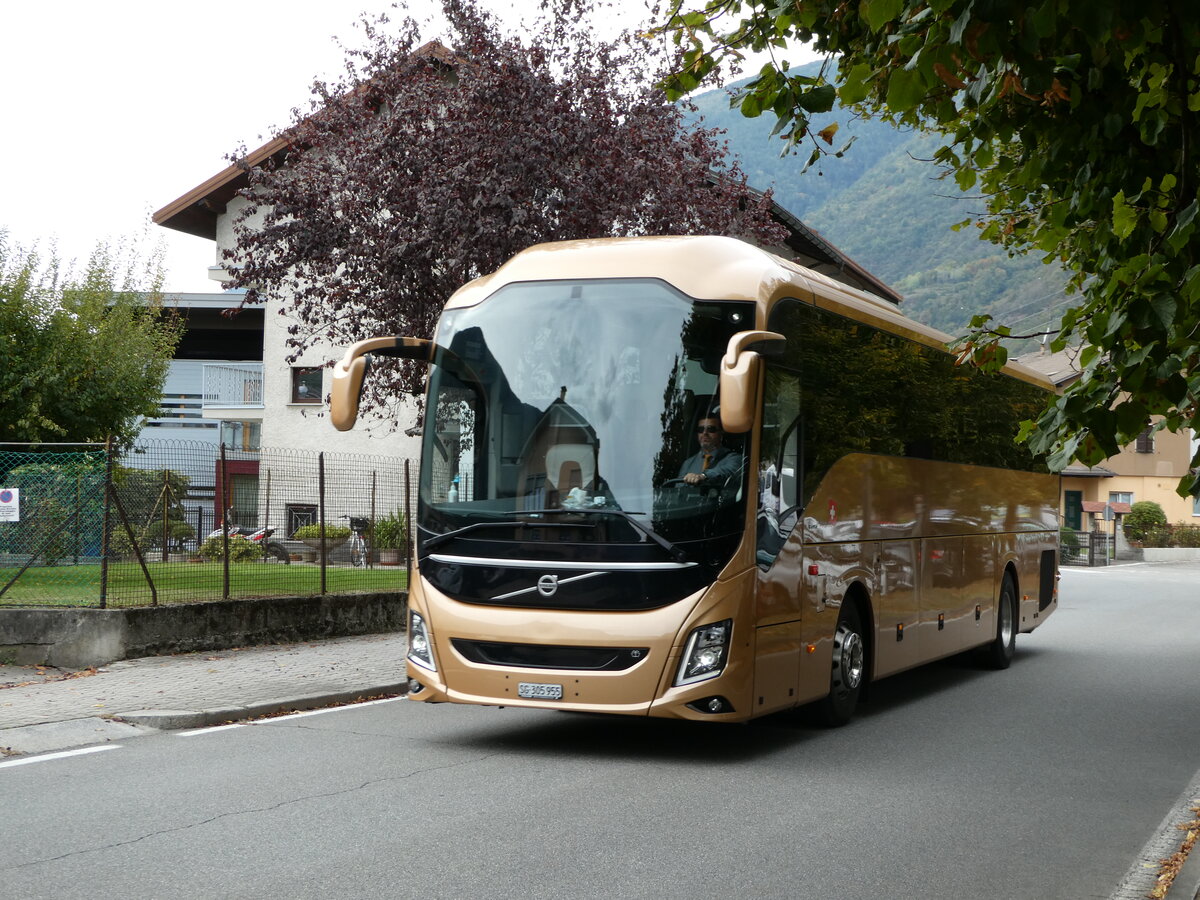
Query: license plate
[534, 691]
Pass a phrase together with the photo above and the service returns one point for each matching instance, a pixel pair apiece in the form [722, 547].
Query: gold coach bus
[864, 508]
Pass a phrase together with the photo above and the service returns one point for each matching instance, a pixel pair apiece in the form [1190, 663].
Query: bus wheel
[999, 653]
[849, 669]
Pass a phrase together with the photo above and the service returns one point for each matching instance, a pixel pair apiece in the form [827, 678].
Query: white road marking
[210, 729]
[46, 757]
[327, 709]
[213, 729]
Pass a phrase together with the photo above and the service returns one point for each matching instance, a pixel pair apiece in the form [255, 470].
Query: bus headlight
[705, 654]
[420, 648]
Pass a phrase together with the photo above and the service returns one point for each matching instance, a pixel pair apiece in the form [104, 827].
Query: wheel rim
[1007, 618]
[849, 659]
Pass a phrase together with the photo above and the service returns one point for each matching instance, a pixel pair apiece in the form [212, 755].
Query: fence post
[224, 527]
[371, 546]
[108, 488]
[166, 531]
[321, 514]
[267, 516]
[78, 542]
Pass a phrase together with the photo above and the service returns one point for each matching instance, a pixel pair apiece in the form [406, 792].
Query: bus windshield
[565, 414]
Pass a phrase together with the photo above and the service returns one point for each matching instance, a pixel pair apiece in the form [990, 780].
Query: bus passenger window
[779, 476]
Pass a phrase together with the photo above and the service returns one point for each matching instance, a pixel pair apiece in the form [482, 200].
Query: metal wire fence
[173, 522]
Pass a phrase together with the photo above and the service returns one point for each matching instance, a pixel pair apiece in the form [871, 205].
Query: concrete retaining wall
[1171, 554]
[76, 638]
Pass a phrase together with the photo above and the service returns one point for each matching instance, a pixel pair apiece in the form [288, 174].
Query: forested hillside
[883, 204]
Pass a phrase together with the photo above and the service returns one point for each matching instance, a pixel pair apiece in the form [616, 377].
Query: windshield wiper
[677, 553]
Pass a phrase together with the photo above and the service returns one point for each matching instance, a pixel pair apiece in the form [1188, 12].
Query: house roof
[197, 211]
[1075, 470]
[825, 258]
[1097, 506]
[1061, 367]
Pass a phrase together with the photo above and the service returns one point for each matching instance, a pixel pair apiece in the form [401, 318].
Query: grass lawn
[184, 582]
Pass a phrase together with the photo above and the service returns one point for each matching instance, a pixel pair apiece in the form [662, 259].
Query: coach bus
[863, 508]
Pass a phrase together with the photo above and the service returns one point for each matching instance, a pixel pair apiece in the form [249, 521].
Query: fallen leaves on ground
[65, 676]
[1169, 867]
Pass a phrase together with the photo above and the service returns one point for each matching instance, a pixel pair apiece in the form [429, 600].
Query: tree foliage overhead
[82, 357]
[429, 165]
[1077, 121]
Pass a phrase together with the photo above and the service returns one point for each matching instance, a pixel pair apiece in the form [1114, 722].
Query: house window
[300, 514]
[1120, 497]
[241, 435]
[306, 384]
[1145, 441]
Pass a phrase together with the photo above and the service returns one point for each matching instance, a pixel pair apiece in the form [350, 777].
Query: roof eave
[196, 211]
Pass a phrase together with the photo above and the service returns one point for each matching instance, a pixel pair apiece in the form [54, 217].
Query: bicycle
[358, 545]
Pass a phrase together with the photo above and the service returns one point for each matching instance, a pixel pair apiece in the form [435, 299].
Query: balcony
[232, 390]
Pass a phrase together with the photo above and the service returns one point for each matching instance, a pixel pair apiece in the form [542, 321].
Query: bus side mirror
[349, 372]
[739, 377]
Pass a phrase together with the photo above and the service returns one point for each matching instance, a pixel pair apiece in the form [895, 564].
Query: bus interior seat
[571, 465]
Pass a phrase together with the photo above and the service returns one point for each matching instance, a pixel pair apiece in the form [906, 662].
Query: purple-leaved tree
[430, 164]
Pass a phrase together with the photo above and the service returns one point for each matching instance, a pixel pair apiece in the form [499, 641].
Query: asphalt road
[1044, 781]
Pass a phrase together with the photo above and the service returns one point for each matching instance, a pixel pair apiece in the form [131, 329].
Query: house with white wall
[293, 394]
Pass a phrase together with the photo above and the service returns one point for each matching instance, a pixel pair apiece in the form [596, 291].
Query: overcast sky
[114, 109]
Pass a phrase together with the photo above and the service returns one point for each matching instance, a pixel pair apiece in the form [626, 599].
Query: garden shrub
[150, 538]
[52, 538]
[241, 549]
[313, 533]
[1186, 535]
[1157, 536]
[389, 532]
[1143, 515]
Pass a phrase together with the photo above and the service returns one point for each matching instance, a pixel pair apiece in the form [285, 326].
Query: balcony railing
[233, 386]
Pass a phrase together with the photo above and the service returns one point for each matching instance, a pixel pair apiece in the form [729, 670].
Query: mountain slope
[883, 204]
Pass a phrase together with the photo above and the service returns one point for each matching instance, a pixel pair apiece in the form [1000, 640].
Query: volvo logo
[548, 585]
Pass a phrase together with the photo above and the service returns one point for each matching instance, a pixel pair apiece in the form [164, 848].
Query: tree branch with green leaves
[1077, 122]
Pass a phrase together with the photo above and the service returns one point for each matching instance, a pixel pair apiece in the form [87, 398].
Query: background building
[1148, 469]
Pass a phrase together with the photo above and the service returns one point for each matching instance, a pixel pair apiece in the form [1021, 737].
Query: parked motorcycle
[261, 537]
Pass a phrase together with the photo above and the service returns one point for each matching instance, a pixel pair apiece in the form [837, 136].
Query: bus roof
[707, 267]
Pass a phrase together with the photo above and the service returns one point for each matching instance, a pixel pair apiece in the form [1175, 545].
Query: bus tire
[999, 653]
[849, 668]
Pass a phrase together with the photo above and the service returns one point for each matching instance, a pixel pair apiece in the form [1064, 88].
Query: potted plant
[335, 536]
[388, 537]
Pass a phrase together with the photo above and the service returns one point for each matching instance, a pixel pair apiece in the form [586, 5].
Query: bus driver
[713, 463]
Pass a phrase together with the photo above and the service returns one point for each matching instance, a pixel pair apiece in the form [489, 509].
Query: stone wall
[77, 638]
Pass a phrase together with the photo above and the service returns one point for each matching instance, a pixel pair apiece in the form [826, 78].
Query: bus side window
[779, 477]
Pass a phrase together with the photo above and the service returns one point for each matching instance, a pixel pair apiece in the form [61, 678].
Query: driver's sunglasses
[707, 429]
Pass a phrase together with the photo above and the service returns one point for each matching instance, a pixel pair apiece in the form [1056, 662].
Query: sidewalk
[43, 709]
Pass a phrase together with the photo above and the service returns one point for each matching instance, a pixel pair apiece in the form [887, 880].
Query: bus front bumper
[643, 684]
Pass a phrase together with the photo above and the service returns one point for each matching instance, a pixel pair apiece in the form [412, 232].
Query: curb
[173, 719]
[1186, 885]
